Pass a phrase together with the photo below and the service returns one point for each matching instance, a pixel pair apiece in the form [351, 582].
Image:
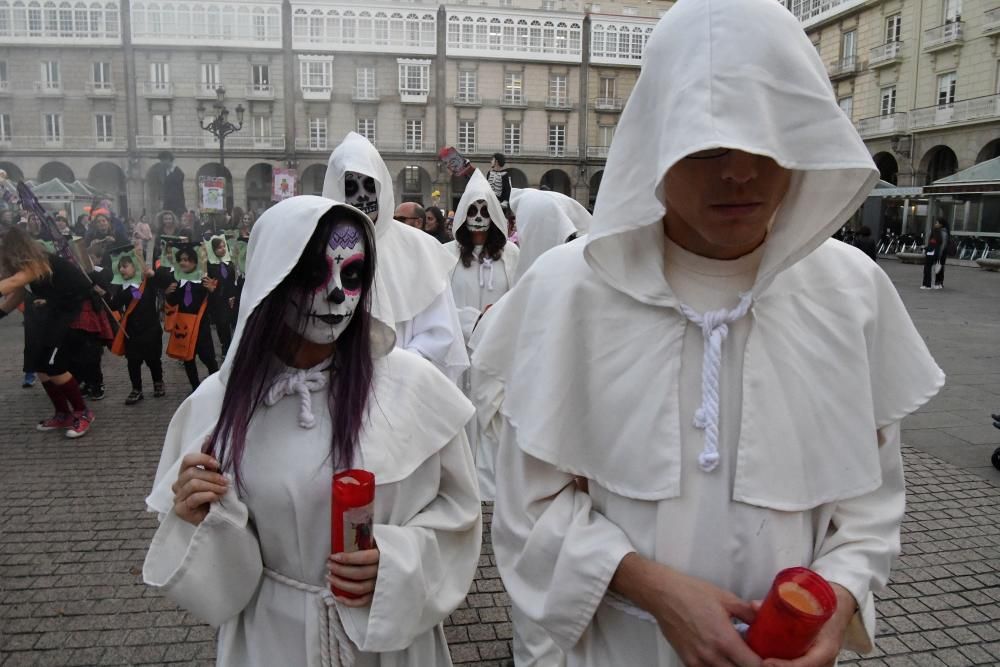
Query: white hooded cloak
[545, 219]
[256, 565]
[597, 361]
[481, 284]
[411, 289]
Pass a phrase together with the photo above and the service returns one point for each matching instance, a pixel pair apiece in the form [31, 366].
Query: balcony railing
[943, 36]
[544, 151]
[365, 95]
[4, 87]
[894, 123]
[558, 102]
[991, 22]
[259, 91]
[597, 151]
[844, 67]
[205, 91]
[975, 110]
[158, 88]
[513, 101]
[63, 142]
[468, 100]
[207, 141]
[100, 89]
[307, 144]
[49, 87]
[316, 93]
[886, 54]
[412, 96]
[609, 104]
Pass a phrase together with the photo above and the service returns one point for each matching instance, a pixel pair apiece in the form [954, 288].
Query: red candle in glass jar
[799, 603]
[353, 508]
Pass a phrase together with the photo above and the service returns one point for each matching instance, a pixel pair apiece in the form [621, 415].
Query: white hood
[413, 267]
[355, 153]
[544, 220]
[757, 94]
[479, 188]
[277, 241]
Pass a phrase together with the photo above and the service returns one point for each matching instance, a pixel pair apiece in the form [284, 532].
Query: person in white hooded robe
[314, 385]
[411, 290]
[483, 259]
[726, 379]
[545, 220]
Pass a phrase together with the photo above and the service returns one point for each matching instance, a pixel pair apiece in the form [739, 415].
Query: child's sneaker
[96, 392]
[134, 398]
[60, 420]
[29, 381]
[159, 390]
[81, 424]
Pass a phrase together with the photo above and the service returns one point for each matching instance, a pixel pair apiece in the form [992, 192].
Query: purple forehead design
[344, 236]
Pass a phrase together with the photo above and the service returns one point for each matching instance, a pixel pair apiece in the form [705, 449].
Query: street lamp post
[219, 124]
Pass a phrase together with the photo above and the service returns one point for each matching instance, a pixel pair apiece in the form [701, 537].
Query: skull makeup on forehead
[361, 192]
[477, 219]
[332, 288]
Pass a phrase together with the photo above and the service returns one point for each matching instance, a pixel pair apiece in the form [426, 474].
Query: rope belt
[335, 647]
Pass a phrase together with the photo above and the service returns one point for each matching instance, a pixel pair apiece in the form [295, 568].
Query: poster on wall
[284, 184]
[213, 193]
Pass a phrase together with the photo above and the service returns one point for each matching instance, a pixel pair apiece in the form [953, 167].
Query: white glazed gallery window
[512, 137]
[888, 103]
[316, 75]
[105, 128]
[52, 128]
[317, 134]
[467, 136]
[847, 105]
[414, 79]
[468, 86]
[366, 128]
[6, 133]
[365, 83]
[102, 76]
[413, 139]
[946, 89]
[161, 128]
[893, 28]
[557, 139]
[513, 88]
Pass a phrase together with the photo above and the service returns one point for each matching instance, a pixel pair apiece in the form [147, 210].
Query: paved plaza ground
[73, 530]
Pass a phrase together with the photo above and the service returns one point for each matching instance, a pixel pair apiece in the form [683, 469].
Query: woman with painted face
[243, 490]
[191, 335]
[485, 259]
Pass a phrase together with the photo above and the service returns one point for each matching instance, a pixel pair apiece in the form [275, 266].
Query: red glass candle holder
[799, 603]
[353, 509]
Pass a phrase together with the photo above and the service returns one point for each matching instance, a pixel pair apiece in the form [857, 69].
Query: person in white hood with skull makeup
[707, 390]
[484, 261]
[313, 386]
[411, 287]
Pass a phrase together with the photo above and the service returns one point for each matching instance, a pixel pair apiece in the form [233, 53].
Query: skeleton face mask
[477, 218]
[361, 192]
[334, 297]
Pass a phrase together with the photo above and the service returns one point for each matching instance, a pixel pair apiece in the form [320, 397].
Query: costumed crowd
[645, 392]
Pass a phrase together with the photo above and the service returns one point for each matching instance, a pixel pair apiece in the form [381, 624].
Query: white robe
[256, 565]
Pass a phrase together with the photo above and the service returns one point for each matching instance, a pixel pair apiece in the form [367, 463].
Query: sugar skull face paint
[477, 218]
[334, 297]
[361, 192]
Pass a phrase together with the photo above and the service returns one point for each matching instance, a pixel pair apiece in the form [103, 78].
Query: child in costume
[191, 334]
[222, 300]
[139, 338]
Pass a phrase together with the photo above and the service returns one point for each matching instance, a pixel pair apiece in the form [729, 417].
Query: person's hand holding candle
[356, 573]
[831, 638]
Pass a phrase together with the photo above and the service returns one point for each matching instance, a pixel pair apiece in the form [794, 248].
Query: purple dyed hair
[266, 334]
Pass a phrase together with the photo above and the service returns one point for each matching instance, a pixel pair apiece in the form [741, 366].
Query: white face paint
[477, 219]
[361, 192]
[331, 305]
